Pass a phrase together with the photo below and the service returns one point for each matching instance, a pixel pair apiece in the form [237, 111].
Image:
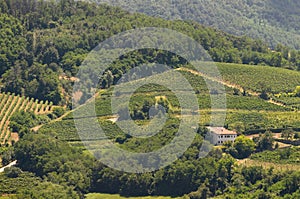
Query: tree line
[59, 165]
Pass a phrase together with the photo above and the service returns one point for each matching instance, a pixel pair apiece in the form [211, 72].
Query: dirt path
[7, 166]
[276, 103]
[275, 135]
[225, 83]
[230, 85]
[113, 118]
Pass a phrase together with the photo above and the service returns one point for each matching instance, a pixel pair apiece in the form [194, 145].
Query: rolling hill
[244, 114]
[248, 112]
[54, 37]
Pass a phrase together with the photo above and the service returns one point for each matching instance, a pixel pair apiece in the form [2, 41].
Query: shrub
[58, 111]
[12, 172]
[242, 147]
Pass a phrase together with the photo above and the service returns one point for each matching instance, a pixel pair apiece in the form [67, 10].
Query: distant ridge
[272, 21]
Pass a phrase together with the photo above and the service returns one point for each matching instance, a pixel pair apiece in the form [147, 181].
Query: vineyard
[256, 78]
[293, 102]
[243, 112]
[280, 156]
[10, 103]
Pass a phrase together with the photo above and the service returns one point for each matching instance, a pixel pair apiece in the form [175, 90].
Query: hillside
[272, 21]
[44, 43]
[9, 104]
[47, 41]
[245, 113]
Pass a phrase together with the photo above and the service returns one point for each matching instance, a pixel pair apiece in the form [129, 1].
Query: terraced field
[243, 112]
[254, 79]
[10, 103]
[257, 77]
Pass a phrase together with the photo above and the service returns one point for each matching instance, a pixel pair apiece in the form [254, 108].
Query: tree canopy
[44, 41]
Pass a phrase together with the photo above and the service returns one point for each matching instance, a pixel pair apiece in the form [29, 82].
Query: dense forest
[72, 173]
[42, 42]
[272, 21]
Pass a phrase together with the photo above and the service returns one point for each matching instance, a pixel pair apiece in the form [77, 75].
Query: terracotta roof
[221, 131]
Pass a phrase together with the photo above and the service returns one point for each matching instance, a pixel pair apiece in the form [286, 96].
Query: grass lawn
[115, 196]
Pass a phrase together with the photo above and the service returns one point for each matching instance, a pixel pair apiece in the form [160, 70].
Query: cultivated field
[9, 104]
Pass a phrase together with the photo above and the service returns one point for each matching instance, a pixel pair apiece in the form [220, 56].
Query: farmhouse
[220, 135]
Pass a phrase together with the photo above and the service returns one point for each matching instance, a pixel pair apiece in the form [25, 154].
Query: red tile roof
[221, 131]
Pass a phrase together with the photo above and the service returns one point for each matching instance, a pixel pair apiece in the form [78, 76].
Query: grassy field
[268, 165]
[115, 196]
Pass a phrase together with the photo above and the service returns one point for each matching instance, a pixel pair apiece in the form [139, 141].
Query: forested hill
[42, 41]
[274, 21]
